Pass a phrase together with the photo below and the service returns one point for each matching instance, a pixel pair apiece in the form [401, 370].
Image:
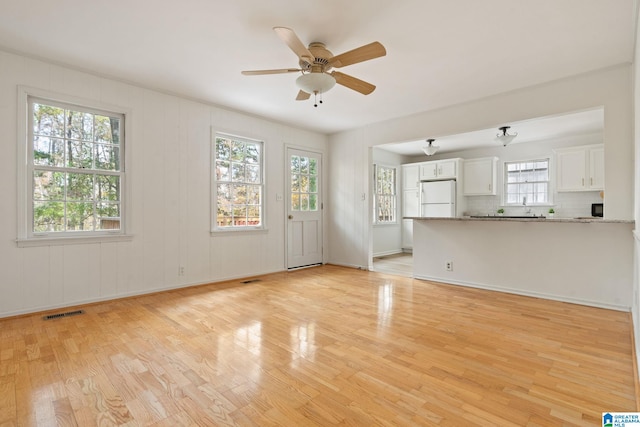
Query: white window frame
[215, 228]
[530, 202]
[377, 194]
[25, 234]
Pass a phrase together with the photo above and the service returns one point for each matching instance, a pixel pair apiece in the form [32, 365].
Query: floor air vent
[250, 281]
[67, 314]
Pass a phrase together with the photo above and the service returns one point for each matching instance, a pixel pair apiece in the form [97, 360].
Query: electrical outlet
[181, 271]
[449, 266]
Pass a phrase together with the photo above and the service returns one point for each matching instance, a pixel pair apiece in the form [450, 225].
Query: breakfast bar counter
[581, 260]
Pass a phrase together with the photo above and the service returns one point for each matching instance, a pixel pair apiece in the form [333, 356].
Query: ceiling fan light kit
[505, 138]
[430, 149]
[316, 62]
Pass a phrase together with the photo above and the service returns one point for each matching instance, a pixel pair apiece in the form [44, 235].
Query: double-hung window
[75, 170]
[385, 200]
[527, 182]
[238, 183]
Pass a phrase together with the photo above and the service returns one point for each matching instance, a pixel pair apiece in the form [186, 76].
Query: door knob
[290, 216]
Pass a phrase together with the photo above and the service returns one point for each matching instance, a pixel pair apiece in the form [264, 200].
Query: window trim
[214, 228]
[549, 182]
[376, 222]
[25, 235]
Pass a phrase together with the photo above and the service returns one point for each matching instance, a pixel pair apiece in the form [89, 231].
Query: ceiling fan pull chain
[315, 98]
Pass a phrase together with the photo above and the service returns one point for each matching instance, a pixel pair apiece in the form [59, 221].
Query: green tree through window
[76, 168]
[238, 183]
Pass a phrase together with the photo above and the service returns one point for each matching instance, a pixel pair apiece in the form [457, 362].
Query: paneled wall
[169, 150]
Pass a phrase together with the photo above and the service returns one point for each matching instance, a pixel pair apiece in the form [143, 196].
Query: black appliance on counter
[597, 209]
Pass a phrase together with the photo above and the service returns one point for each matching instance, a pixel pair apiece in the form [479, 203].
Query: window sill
[385, 224]
[237, 231]
[75, 240]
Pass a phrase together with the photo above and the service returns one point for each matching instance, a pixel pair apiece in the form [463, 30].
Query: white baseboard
[551, 297]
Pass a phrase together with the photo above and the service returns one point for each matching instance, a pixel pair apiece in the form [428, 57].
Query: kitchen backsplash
[566, 205]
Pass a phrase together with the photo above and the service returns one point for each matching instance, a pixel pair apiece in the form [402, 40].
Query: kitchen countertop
[527, 219]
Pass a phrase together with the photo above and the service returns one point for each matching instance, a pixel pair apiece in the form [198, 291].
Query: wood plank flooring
[318, 347]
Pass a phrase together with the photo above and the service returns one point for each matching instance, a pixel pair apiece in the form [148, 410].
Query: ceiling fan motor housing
[322, 56]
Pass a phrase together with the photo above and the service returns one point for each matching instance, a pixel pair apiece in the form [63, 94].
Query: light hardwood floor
[320, 347]
[399, 264]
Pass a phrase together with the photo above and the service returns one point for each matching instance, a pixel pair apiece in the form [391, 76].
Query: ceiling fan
[316, 64]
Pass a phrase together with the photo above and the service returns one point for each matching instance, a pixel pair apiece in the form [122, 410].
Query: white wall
[635, 307]
[609, 88]
[169, 171]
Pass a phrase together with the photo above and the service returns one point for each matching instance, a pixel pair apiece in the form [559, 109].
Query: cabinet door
[596, 168]
[479, 177]
[411, 202]
[410, 176]
[571, 170]
[447, 169]
[428, 170]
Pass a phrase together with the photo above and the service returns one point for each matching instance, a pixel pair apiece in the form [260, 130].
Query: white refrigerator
[438, 199]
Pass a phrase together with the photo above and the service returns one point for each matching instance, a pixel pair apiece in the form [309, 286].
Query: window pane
[237, 151]
[295, 183]
[108, 188]
[239, 194]
[79, 186]
[237, 172]
[304, 165]
[313, 184]
[240, 215]
[253, 174]
[48, 217]
[107, 157]
[48, 151]
[304, 183]
[313, 167]
[107, 129]
[223, 149]
[48, 120]
[79, 125]
[79, 216]
[295, 202]
[253, 154]
[304, 202]
[295, 164]
[223, 170]
[48, 185]
[313, 202]
[253, 194]
[253, 215]
[79, 154]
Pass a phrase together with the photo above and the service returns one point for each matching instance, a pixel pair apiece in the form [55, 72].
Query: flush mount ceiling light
[430, 149]
[504, 138]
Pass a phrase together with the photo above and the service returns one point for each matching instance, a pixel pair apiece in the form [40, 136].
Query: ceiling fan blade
[291, 39]
[360, 54]
[303, 96]
[279, 71]
[353, 83]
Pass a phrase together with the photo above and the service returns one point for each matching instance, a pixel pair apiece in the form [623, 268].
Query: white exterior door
[304, 209]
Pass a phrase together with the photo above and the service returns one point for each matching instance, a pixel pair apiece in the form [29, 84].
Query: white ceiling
[439, 53]
[533, 130]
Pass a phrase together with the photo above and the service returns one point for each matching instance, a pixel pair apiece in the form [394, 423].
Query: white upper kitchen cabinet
[440, 169]
[479, 178]
[580, 168]
[410, 176]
